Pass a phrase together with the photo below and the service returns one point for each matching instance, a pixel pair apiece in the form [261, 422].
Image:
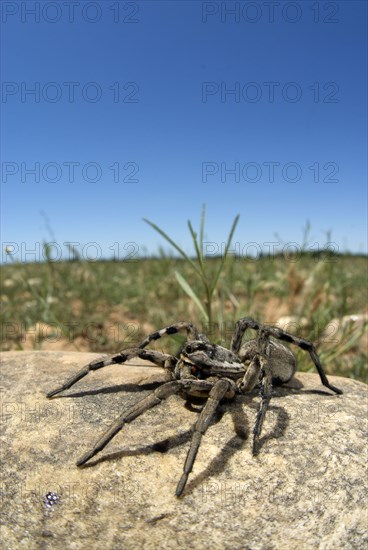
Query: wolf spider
[211, 371]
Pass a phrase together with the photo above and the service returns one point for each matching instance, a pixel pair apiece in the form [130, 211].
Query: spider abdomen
[282, 359]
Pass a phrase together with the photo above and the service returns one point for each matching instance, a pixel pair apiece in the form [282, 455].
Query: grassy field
[106, 306]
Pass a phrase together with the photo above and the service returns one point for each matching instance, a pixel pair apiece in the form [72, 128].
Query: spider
[203, 369]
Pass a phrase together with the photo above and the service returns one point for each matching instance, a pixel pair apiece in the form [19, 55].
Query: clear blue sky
[146, 86]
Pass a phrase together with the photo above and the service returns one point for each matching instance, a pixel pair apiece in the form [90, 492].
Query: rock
[306, 488]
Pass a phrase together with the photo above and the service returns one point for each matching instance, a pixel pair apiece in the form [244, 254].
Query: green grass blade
[177, 247]
[47, 248]
[190, 292]
[197, 248]
[233, 227]
[201, 232]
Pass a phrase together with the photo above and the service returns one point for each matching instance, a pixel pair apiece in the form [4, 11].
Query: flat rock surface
[307, 487]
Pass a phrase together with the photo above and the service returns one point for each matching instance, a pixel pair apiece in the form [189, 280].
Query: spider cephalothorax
[208, 370]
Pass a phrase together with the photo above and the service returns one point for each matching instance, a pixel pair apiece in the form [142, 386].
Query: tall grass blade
[201, 231]
[173, 243]
[197, 247]
[233, 227]
[190, 292]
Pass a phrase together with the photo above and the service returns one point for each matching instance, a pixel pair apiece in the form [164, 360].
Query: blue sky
[153, 108]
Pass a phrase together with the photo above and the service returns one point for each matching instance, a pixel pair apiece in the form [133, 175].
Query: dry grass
[105, 306]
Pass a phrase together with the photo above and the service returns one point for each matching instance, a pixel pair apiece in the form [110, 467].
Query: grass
[208, 279]
[105, 306]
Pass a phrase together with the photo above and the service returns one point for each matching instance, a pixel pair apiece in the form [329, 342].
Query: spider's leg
[241, 326]
[266, 386]
[306, 346]
[265, 394]
[192, 333]
[160, 359]
[251, 376]
[161, 393]
[216, 394]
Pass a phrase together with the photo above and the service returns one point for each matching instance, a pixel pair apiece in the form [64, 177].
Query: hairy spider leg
[243, 324]
[159, 359]
[192, 333]
[163, 392]
[220, 388]
[156, 357]
[153, 399]
[265, 391]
